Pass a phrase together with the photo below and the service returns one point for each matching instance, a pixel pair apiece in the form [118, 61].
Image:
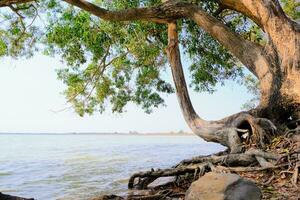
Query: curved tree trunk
[227, 131]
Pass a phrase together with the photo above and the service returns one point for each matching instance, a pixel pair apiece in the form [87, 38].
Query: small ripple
[8, 190]
[82, 158]
[5, 173]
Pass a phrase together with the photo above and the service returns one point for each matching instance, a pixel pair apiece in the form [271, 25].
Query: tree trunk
[280, 92]
[280, 98]
[227, 131]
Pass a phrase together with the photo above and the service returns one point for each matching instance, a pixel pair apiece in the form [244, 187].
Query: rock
[221, 186]
[108, 197]
[161, 181]
[9, 197]
[243, 190]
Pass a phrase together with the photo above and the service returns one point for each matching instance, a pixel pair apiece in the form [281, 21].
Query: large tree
[116, 52]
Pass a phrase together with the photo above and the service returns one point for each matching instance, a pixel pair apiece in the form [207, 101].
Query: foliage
[18, 34]
[291, 8]
[110, 64]
[252, 85]
[116, 63]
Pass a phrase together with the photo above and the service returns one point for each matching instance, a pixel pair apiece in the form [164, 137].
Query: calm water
[83, 166]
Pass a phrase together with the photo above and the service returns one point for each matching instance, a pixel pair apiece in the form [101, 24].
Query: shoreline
[105, 134]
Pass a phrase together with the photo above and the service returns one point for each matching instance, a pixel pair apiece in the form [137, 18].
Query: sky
[31, 101]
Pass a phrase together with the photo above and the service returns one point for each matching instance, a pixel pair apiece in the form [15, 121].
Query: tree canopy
[111, 63]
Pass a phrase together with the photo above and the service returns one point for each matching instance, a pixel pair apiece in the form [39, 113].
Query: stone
[243, 190]
[109, 197]
[223, 186]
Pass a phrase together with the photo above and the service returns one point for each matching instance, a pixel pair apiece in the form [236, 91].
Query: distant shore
[180, 133]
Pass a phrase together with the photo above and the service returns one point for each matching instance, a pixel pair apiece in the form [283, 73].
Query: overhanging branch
[164, 13]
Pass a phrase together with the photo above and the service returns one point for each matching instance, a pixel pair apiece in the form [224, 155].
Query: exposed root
[243, 131]
[145, 178]
[295, 175]
[280, 158]
[198, 165]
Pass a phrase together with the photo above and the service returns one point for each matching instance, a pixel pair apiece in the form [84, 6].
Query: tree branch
[259, 11]
[248, 52]
[6, 3]
[163, 13]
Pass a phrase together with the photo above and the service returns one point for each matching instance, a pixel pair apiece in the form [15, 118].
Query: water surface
[84, 166]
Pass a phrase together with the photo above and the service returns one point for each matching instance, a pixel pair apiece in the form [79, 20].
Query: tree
[116, 52]
[258, 34]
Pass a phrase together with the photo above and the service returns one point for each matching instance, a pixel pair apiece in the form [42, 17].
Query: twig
[295, 175]
[269, 181]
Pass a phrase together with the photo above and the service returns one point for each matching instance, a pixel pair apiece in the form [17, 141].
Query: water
[84, 166]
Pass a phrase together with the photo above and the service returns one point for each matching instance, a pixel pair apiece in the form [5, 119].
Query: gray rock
[221, 186]
[243, 190]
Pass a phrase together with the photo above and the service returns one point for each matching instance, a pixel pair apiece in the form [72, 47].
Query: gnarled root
[238, 132]
[279, 160]
[249, 132]
[199, 165]
[253, 149]
[241, 133]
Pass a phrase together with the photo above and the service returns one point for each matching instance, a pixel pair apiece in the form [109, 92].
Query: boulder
[223, 186]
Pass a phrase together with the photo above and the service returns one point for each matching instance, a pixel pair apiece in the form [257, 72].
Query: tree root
[145, 178]
[239, 132]
[199, 165]
[295, 175]
[281, 160]
[187, 171]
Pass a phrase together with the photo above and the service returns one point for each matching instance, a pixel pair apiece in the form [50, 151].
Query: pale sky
[30, 93]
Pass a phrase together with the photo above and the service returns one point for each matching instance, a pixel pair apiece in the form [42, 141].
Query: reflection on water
[83, 166]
